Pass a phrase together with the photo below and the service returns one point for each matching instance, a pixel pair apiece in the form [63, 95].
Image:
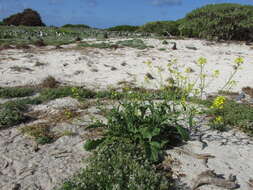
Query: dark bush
[219, 21]
[75, 26]
[161, 27]
[127, 28]
[28, 17]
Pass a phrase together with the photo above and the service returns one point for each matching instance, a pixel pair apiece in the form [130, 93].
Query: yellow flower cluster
[219, 102]
[75, 92]
[201, 61]
[218, 120]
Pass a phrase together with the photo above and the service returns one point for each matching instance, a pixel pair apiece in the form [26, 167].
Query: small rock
[240, 96]
[113, 68]
[123, 64]
[191, 47]
[16, 186]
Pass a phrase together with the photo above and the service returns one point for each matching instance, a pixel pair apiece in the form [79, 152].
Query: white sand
[92, 67]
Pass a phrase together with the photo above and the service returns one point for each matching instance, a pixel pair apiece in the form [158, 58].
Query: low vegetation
[124, 28]
[16, 92]
[135, 43]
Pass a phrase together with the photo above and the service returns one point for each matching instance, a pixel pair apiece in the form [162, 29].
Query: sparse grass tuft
[49, 82]
[41, 132]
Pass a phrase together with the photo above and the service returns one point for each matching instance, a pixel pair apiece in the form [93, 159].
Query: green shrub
[222, 21]
[12, 113]
[161, 27]
[127, 28]
[151, 125]
[75, 26]
[233, 114]
[15, 92]
[118, 164]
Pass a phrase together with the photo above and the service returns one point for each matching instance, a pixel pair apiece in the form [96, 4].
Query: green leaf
[183, 132]
[149, 132]
[92, 144]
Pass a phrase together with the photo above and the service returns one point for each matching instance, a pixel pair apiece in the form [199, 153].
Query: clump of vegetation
[227, 113]
[14, 92]
[162, 28]
[28, 17]
[135, 43]
[222, 21]
[12, 113]
[102, 45]
[49, 82]
[41, 132]
[39, 43]
[127, 28]
[118, 164]
[75, 26]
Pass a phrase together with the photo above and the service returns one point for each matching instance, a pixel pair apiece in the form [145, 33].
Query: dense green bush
[127, 28]
[118, 164]
[28, 17]
[219, 21]
[161, 27]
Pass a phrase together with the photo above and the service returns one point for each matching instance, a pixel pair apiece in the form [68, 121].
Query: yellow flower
[148, 63]
[218, 120]
[216, 73]
[219, 102]
[201, 61]
[239, 60]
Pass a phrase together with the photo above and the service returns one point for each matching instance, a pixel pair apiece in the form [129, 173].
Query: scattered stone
[149, 76]
[16, 186]
[191, 47]
[113, 68]
[240, 96]
[123, 64]
[94, 70]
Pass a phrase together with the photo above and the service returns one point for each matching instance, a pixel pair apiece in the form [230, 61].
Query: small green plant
[12, 113]
[162, 49]
[151, 125]
[217, 109]
[12, 92]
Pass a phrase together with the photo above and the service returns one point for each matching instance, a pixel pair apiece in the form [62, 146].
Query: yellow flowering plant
[217, 110]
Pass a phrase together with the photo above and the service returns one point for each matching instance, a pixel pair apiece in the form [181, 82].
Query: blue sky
[107, 13]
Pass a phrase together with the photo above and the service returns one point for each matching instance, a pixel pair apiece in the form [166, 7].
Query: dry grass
[49, 82]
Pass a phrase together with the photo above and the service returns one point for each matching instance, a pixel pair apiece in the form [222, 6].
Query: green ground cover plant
[135, 43]
[119, 164]
[12, 113]
[14, 92]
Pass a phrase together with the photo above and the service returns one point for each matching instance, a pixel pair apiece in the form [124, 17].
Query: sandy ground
[103, 68]
[100, 68]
